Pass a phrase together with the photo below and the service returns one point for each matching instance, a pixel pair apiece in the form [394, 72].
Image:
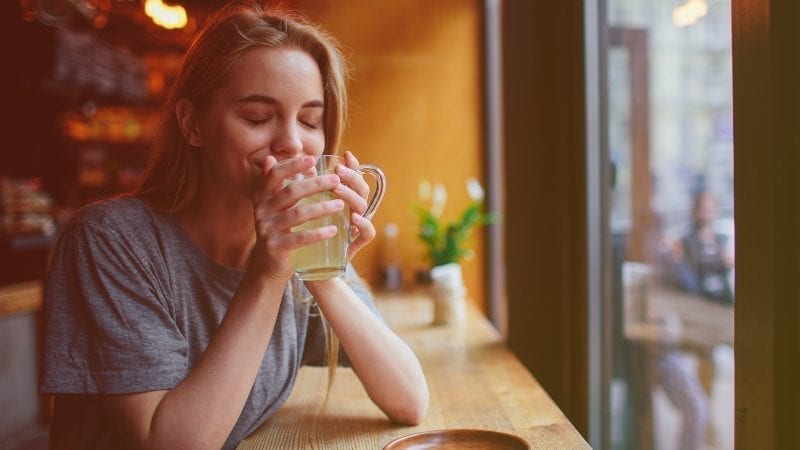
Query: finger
[360, 185]
[297, 190]
[303, 213]
[279, 172]
[264, 184]
[366, 233]
[269, 163]
[356, 202]
[350, 160]
[303, 238]
[354, 179]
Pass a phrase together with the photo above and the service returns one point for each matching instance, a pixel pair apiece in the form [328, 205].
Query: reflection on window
[670, 146]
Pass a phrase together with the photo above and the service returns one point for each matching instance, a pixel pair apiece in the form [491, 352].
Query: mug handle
[380, 188]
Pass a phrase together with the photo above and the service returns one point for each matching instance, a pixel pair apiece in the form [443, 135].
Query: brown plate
[458, 439]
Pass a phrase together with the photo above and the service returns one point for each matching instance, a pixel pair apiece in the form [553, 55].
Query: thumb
[264, 185]
[269, 163]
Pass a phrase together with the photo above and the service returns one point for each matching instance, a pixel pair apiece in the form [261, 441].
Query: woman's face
[705, 210]
[271, 103]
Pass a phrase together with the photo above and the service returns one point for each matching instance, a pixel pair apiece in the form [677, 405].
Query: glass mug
[327, 259]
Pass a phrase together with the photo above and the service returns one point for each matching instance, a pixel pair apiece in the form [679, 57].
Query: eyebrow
[259, 98]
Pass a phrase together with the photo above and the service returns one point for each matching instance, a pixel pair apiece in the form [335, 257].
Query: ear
[186, 114]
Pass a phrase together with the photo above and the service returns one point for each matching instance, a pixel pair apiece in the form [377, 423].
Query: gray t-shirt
[131, 304]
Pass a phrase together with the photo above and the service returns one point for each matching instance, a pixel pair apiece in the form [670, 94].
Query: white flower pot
[449, 294]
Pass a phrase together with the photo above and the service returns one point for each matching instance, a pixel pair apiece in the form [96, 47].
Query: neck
[705, 231]
[222, 228]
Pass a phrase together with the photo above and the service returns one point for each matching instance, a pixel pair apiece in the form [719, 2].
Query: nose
[286, 143]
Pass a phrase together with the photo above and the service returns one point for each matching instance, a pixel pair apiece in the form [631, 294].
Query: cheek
[229, 137]
[212, 132]
[314, 144]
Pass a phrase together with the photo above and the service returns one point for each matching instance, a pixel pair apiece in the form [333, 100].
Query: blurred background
[440, 93]
[87, 85]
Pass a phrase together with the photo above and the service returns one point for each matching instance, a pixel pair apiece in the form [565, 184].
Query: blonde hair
[173, 175]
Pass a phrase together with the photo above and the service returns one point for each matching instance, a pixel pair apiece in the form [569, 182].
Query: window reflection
[671, 149]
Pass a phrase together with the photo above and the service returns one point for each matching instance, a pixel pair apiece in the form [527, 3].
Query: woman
[171, 322]
[703, 259]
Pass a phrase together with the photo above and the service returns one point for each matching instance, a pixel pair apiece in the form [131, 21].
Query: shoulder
[121, 214]
[120, 224]
[110, 211]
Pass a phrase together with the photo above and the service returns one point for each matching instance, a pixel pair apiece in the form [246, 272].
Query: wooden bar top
[685, 319]
[474, 382]
[20, 298]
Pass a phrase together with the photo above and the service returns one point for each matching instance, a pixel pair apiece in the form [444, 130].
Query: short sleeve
[108, 326]
[314, 352]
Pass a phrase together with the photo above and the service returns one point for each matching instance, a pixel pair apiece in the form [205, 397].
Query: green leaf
[446, 242]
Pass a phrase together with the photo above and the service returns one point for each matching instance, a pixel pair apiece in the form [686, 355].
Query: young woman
[171, 321]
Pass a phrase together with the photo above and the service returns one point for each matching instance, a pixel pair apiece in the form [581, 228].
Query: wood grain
[474, 380]
[20, 298]
[688, 320]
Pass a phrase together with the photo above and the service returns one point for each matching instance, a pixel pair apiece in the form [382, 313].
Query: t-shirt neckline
[197, 253]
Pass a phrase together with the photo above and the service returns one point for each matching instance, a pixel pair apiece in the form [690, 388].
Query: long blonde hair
[173, 175]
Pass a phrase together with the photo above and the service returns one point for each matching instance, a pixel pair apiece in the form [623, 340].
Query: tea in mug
[326, 259]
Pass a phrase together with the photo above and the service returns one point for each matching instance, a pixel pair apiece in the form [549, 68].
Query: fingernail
[338, 203]
[340, 170]
[308, 159]
[333, 178]
[332, 229]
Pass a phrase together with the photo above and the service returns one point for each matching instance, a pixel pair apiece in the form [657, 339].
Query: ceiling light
[166, 16]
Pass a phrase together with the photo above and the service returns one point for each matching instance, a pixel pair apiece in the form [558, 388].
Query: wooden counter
[667, 320]
[688, 320]
[474, 381]
[20, 298]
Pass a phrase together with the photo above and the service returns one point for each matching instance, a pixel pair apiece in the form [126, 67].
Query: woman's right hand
[276, 211]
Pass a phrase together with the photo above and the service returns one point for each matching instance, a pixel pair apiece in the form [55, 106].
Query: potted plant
[446, 246]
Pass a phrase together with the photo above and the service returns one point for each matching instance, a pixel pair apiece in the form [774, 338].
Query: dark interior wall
[29, 143]
[545, 196]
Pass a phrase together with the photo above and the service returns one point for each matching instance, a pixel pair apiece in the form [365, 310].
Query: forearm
[203, 408]
[388, 369]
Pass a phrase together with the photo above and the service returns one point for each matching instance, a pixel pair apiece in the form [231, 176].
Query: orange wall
[416, 108]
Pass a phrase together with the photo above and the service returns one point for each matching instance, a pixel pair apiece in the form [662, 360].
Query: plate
[458, 439]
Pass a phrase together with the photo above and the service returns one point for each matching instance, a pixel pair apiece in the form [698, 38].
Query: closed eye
[310, 124]
[258, 121]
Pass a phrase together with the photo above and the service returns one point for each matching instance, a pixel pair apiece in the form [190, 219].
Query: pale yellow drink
[326, 259]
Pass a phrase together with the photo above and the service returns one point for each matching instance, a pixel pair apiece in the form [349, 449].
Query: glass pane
[670, 144]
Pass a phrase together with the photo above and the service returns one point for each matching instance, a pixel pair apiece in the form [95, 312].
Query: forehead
[282, 73]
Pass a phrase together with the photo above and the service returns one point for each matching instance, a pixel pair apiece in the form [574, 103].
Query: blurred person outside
[699, 263]
[702, 261]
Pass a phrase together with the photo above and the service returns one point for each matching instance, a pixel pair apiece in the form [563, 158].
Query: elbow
[410, 417]
[415, 417]
[413, 411]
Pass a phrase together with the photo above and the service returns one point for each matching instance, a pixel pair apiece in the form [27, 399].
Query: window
[667, 141]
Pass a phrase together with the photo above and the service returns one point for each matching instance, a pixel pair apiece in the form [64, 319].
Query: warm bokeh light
[166, 16]
[688, 13]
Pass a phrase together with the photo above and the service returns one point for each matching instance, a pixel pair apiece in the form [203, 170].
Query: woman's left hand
[354, 190]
